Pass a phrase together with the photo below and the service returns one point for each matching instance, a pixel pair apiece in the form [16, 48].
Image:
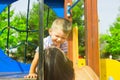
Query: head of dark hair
[57, 65]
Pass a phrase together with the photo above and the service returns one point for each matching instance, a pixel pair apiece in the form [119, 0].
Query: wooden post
[91, 35]
[72, 44]
[70, 39]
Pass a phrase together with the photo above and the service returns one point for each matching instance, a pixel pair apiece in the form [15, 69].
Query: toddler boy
[58, 34]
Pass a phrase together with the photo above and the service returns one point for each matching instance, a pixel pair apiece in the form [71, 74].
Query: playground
[105, 69]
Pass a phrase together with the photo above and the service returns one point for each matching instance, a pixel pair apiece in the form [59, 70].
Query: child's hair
[62, 24]
[57, 65]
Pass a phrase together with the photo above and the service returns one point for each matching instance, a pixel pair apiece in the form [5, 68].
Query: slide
[10, 67]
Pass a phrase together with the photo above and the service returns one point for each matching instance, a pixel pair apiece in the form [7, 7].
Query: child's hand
[33, 75]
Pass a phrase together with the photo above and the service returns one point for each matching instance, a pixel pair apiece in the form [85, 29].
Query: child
[58, 34]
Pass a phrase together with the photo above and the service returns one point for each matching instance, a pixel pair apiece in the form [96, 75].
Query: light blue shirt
[48, 43]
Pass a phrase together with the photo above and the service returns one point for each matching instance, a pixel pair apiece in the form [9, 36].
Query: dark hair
[57, 65]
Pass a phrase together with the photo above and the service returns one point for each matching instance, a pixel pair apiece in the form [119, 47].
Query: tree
[4, 29]
[112, 40]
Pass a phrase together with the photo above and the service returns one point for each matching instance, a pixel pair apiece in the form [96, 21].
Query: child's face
[58, 37]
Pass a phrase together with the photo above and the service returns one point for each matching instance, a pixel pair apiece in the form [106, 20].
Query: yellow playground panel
[109, 68]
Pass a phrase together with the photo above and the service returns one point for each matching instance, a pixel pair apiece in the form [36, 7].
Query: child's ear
[50, 31]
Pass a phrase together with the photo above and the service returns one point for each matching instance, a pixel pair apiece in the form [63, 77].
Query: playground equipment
[11, 68]
[62, 9]
[109, 68]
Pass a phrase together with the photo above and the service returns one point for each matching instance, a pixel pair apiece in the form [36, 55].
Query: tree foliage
[4, 29]
[111, 41]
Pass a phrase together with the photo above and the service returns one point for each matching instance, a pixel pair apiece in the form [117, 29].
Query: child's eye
[56, 35]
[64, 38]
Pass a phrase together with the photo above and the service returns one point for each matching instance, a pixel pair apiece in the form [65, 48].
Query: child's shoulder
[47, 38]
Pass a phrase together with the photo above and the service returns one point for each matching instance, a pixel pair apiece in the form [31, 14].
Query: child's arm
[32, 72]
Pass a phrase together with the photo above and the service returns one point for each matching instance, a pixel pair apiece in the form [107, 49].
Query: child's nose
[59, 39]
